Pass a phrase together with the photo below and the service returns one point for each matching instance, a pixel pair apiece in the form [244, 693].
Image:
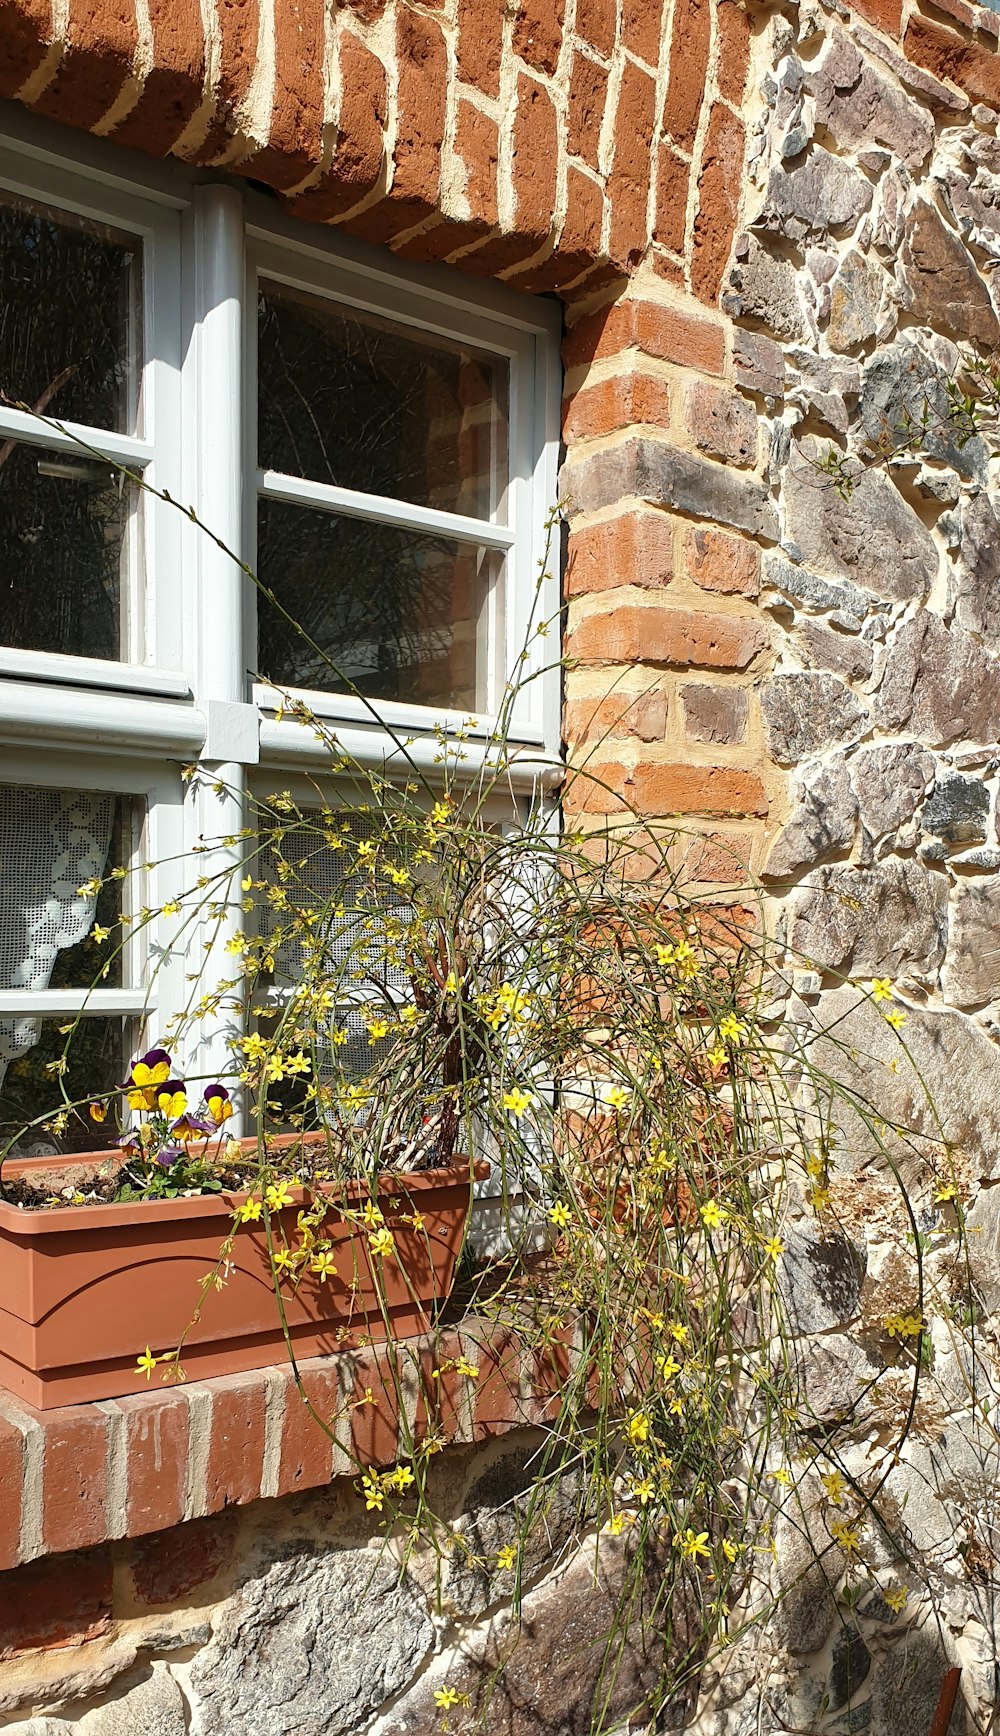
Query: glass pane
[69, 292]
[53, 842]
[352, 399]
[63, 523]
[97, 1059]
[402, 615]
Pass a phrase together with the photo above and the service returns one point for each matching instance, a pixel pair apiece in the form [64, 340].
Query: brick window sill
[87, 1474]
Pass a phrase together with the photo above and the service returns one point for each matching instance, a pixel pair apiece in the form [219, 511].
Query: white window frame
[183, 693]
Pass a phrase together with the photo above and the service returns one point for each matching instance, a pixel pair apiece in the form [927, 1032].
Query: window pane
[96, 1059]
[351, 399]
[402, 615]
[68, 316]
[53, 842]
[63, 523]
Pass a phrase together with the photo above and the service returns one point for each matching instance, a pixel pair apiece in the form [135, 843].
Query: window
[377, 442]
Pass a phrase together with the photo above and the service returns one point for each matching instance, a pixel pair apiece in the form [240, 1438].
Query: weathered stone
[906, 1686]
[890, 781]
[983, 1226]
[495, 1512]
[311, 1646]
[49, 1679]
[902, 386]
[976, 574]
[975, 198]
[850, 1663]
[822, 824]
[872, 921]
[941, 285]
[843, 654]
[957, 809]
[766, 288]
[820, 1279]
[874, 538]
[804, 713]
[923, 84]
[855, 299]
[807, 1610]
[950, 1091]
[758, 364]
[153, 1707]
[855, 103]
[648, 470]
[715, 713]
[821, 194]
[816, 593]
[940, 684]
[834, 1379]
[971, 974]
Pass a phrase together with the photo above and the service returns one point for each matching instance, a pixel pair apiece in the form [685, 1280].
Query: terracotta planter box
[84, 1289]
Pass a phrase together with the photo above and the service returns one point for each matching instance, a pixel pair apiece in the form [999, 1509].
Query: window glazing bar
[401, 513]
[74, 437]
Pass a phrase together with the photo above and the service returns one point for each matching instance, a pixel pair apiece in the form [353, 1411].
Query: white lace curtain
[52, 842]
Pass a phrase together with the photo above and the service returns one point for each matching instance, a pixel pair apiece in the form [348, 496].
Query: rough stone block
[874, 539]
[806, 712]
[872, 922]
[663, 475]
[717, 714]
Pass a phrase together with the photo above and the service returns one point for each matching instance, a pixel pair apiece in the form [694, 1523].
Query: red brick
[722, 858]
[156, 1460]
[11, 1485]
[689, 47]
[420, 110]
[440, 1390]
[665, 332]
[583, 224]
[307, 1443]
[667, 268]
[588, 93]
[722, 423]
[670, 223]
[683, 638]
[25, 29]
[295, 140]
[538, 33]
[633, 549]
[596, 23]
[720, 185]
[733, 26]
[172, 89]
[497, 1354]
[642, 22]
[719, 562]
[642, 716]
[238, 22]
[663, 790]
[374, 1436]
[236, 1442]
[536, 156]
[884, 14]
[172, 1564]
[369, 11]
[480, 44]
[75, 1478]
[628, 182]
[62, 1601]
[359, 157]
[476, 142]
[622, 402]
[101, 40]
[976, 70]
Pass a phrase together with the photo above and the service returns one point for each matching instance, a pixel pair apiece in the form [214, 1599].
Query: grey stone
[855, 103]
[311, 1646]
[821, 825]
[976, 574]
[715, 713]
[890, 781]
[942, 286]
[804, 713]
[821, 194]
[983, 1243]
[971, 974]
[758, 364]
[959, 1103]
[152, 1707]
[807, 587]
[872, 922]
[907, 1685]
[47, 1680]
[987, 858]
[835, 1377]
[904, 386]
[499, 1509]
[875, 538]
[850, 1663]
[975, 202]
[765, 288]
[923, 84]
[855, 297]
[647, 470]
[808, 1608]
[820, 1279]
[957, 809]
[843, 654]
[940, 684]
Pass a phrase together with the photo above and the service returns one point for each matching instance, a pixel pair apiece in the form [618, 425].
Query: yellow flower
[278, 1196]
[440, 814]
[617, 1097]
[904, 1325]
[99, 934]
[401, 1478]
[382, 1244]
[835, 1485]
[638, 1427]
[299, 1063]
[895, 1017]
[897, 1599]
[338, 1037]
[560, 1215]
[846, 1535]
[692, 1544]
[679, 1332]
[668, 1366]
[732, 1029]
[323, 1266]
[773, 1247]
[249, 1212]
[945, 1190]
[146, 1363]
[377, 1029]
[469, 1369]
[717, 1056]
[372, 1215]
[881, 989]
[817, 1197]
[446, 1697]
[616, 1524]
[506, 1557]
[371, 1489]
[730, 1550]
[643, 1491]
[711, 1215]
[284, 1260]
[517, 1101]
[98, 1111]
